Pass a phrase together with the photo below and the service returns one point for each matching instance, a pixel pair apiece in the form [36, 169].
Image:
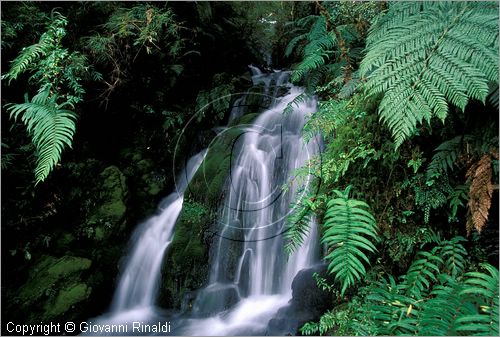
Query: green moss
[113, 196]
[67, 265]
[145, 165]
[50, 275]
[100, 233]
[66, 299]
[187, 246]
[206, 185]
[245, 119]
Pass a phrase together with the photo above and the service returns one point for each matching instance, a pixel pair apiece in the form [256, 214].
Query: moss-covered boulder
[188, 251]
[55, 287]
[109, 216]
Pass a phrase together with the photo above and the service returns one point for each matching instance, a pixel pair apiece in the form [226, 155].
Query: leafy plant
[422, 55]
[50, 116]
[348, 228]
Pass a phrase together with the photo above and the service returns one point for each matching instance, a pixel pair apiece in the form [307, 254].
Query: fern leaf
[453, 255]
[439, 314]
[298, 227]
[423, 55]
[480, 193]
[446, 155]
[349, 226]
[422, 272]
[484, 288]
[51, 128]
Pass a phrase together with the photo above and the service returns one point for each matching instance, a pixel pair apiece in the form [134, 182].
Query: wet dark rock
[308, 303]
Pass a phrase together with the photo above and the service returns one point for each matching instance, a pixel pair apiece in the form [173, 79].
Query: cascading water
[243, 296]
[243, 292]
[134, 298]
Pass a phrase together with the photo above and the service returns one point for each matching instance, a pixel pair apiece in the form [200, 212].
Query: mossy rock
[67, 299]
[187, 247]
[206, 185]
[243, 120]
[50, 279]
[113, 196]
[145, 165]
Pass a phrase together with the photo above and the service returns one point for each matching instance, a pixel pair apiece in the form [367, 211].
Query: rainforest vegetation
[96, 97]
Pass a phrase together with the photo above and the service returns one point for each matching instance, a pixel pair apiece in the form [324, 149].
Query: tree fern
[348, 227]
[423, 55]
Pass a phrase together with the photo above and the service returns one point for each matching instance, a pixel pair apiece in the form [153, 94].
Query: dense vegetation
[96, 95]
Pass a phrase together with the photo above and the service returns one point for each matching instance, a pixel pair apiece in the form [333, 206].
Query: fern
[298, 225]
[348, 226]
[51, 127]
[446, 155]
[48, 117]
[453, 254]
[480, 193]
[484, 289]
[423, 55]
[422, 273]
[390, 309]
[438, 317]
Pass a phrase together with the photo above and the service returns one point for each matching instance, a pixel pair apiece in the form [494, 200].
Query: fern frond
[50, 127]
[439, 314]
[453, 254]
[484, 289]
[423, 55]
[293, 43]
[349, 226]
[350, 87]
[423, 271]
[446, 155]
[392, 311]
[298, 225]
[480, 193]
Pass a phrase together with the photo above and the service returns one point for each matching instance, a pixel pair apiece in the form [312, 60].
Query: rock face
[308, 303]
[56, 289]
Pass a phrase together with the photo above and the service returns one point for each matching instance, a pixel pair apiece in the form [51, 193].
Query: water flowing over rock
[249, 276]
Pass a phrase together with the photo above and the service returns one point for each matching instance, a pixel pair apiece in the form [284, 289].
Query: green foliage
[326, 323]
[422, 55]
[484, 288]
[51, 128]
[435, 297]
[49, 116]
[349, 227]
[299, 221]
[217, 99]
[432, 195]
[351, 144]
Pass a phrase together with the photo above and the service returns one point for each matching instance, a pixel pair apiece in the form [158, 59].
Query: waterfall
[243, 293]
[241, 297]
[138, 284]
